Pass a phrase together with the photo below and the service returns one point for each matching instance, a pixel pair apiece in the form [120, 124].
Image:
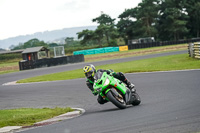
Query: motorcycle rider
[90, 70]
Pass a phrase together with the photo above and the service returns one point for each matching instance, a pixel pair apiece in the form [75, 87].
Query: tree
[147, 14]
[139, 21]
[12, 47]
[98, 35]
[87, 36]
[19, 46]
[106, 30]
[31, 43]
[106, 27]
[162, 19]
[34, 43]
[126, 24]
[172, 20]
[53, 44]
[69, 41]
[192, 7]
[104, 19]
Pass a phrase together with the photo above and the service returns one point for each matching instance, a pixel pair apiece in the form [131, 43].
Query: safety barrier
[156, 44]
[134, 46]
[96, 51]
[123, 48]
[24, 65]
[194, 50]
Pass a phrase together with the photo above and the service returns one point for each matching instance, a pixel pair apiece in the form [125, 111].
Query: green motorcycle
[114, 90]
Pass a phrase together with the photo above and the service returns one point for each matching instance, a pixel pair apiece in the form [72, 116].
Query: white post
[54, 52]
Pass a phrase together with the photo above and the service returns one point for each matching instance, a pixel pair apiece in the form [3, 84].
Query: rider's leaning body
[90, 70]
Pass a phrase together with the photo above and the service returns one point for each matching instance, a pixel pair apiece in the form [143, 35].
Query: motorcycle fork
[117, 94]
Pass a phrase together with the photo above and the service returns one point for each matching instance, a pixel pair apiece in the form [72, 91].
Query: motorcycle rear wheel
[120, 103]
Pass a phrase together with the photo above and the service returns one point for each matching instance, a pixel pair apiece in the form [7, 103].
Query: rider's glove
[110, 72]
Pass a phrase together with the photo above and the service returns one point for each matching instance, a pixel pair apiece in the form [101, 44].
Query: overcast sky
[21, 17]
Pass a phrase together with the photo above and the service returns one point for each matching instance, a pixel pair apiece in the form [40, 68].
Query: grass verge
[8, 71]
[166, 63]
[7, 66]
[135, 52]
[28, 116]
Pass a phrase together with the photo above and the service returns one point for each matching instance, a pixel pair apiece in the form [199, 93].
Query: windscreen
[98, 75]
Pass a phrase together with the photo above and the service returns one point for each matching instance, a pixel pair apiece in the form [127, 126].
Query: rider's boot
[101, 100]
[130, 85]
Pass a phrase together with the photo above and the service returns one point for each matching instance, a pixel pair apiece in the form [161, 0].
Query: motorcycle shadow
[103, 110]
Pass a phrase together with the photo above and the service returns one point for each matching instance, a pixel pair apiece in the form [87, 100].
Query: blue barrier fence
[96, 51]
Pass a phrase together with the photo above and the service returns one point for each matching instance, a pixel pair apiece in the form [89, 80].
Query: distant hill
[47, 36]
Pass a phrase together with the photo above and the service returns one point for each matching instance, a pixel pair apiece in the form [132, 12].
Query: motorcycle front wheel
[117, 101]
[137, 99]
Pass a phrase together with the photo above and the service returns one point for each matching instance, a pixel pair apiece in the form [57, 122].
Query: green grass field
[7, 66]
[28, 116]
[166, 63]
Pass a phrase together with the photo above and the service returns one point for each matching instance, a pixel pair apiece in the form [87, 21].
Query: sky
[21, 17]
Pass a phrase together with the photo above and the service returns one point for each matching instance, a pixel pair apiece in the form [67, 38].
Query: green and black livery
[114, 90]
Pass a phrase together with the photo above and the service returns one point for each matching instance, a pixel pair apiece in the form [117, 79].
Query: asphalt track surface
[170, 101]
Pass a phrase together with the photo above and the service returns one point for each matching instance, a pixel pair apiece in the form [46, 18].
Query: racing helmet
[89, 70]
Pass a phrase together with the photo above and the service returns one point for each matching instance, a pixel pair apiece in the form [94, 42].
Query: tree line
[164, 20]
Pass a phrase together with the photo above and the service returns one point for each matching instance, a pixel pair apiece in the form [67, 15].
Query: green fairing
[107, 83]
[106, 91]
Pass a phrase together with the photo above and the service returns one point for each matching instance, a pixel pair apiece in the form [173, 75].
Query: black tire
[119, 104]
[136, 100]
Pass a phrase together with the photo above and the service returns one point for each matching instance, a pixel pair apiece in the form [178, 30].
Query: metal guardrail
[194, 50]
